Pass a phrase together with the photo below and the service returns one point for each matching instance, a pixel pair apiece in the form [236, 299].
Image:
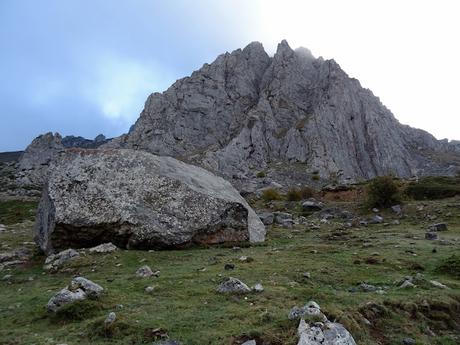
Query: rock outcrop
[248, 112]
[135, 199]
[35, 160]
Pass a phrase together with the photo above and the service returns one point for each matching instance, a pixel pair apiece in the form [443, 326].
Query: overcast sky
[85, 67]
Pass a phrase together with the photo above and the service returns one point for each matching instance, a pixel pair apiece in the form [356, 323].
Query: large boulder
[135, 199]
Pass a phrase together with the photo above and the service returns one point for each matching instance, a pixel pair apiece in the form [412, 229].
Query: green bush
[297, 194]
[450, 266]
[434, 187]
[383, 191]
[294, 194]
[307, 192]
[315, 177]
[261, 174]
[270, 194]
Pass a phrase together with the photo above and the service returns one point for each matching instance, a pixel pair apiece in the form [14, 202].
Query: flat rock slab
[135, 199]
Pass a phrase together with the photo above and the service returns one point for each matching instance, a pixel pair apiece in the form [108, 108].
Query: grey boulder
[233, 286]
[79, 289]
[138, 200]
[328, 333]
[56, 261]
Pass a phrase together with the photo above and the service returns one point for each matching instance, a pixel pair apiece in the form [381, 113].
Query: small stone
[312, 205]
[56, 261]
[249, 342]
[258, 288]
[233, 285]
[103, 248]
[144, 272]
[306, 275]
[408, 341]
[438, 227]
[149, 289]
[267, 218]
[110, 319]
[7, 277]
[407, 285]
[229, 267]
[431, 236]
[438, 284]
[246, 259]
[376, 220]
[397, 209]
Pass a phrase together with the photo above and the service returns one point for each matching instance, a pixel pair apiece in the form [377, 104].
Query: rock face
[247, 111]
[36, 159]
[138, 200]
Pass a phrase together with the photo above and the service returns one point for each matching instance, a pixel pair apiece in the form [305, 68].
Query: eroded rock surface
[248, 112]
[138, 200]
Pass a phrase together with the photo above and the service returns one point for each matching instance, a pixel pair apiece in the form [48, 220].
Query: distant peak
[283, 49]
[305, 53]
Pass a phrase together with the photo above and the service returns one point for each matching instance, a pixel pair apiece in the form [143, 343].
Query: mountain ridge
[246, 111]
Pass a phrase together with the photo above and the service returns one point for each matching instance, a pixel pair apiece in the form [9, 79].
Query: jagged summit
[290, 115]
[246, 112]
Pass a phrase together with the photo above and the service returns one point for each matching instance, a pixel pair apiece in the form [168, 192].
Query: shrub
[434, 187]
[315, 177]
[307, 192]
[294, 194]
[270, 194]
[261, 174]
[450, 266]
[383, 191]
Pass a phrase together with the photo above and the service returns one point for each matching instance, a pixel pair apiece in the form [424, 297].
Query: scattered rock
[110, 319]
[144, 272]
[312, 205]
[312, 332]
[438, 284]
[438, 227]
[367, 287]
[90, 288]
[407, 284]
[306, 275]
[56, 261]
[267, 218]
[258, 288]
[249, 342]
[397, 209]
[149, 289]
[310, 310]
[233, 286]
[431, 236]
[244, 258]
[229, 267]
[376, 219]
[79, 289]
[408, 341]
[282, 217]
[103, 248]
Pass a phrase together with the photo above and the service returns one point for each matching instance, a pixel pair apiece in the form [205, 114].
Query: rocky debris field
[329, 272]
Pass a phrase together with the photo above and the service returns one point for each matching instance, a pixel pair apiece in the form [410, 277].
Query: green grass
[16, 211]
[434, 187]
[186, 307]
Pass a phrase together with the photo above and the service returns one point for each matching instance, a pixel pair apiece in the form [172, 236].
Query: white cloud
[406, 52]
[120, 86]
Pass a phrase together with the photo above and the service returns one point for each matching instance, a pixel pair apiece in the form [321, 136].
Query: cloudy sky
[85, 67]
